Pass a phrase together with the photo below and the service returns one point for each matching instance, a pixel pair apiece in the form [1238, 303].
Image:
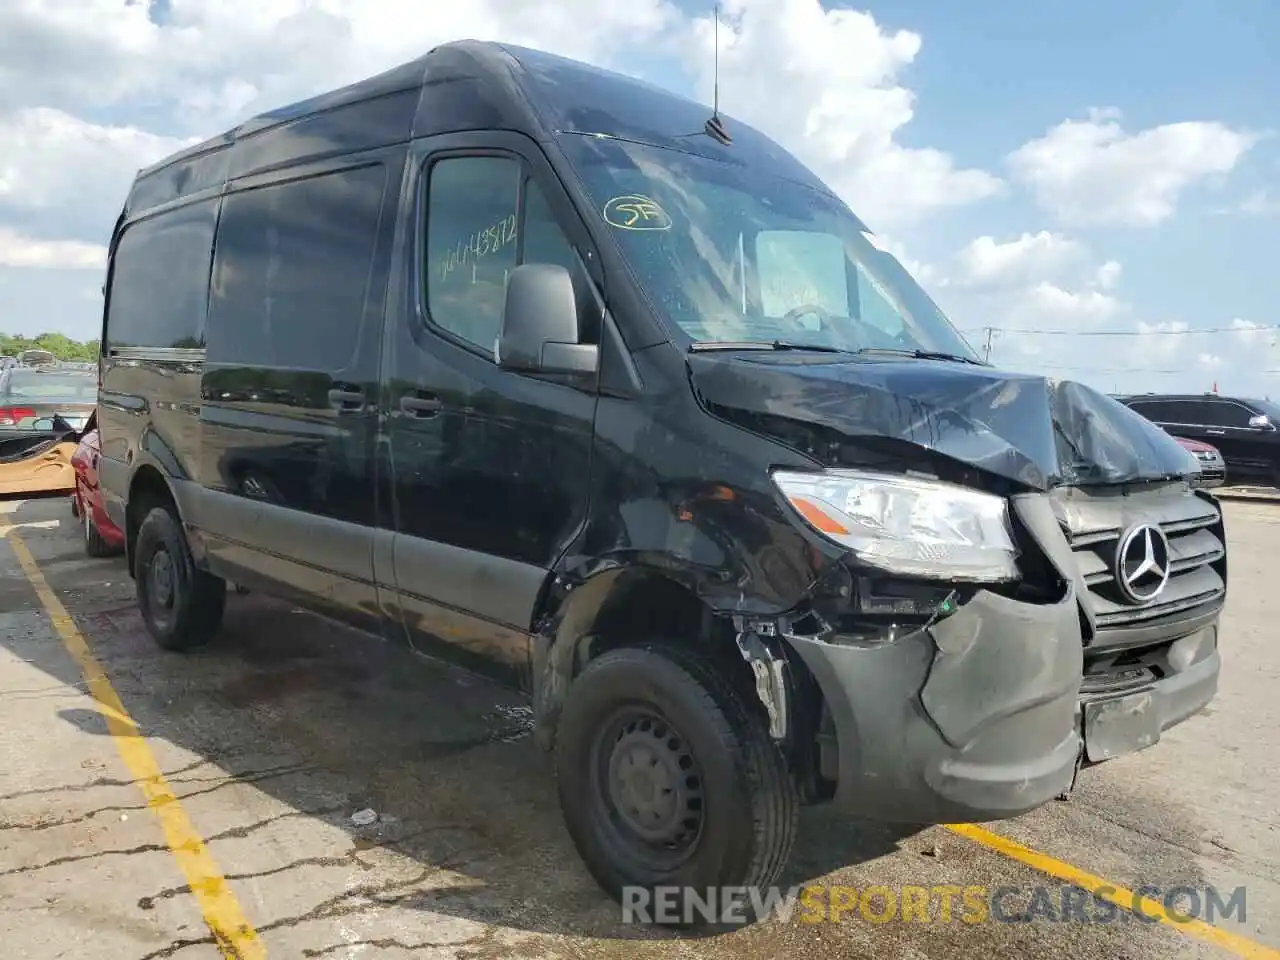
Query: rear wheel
[668, 779]
[180, 604]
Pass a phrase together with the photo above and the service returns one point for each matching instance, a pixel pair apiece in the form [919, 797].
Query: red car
[1213, 469]
[102, 538]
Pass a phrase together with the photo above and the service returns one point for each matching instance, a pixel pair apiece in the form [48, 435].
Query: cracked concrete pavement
[273, 736]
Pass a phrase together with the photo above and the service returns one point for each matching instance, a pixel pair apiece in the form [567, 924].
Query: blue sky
[987, 83]
[965, 138]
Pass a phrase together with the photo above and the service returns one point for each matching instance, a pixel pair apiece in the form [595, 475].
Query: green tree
[59, 344]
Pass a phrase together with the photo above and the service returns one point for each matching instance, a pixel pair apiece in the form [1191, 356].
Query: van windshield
[728, 254]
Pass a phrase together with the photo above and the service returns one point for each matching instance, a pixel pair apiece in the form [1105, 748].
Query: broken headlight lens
[907, 525]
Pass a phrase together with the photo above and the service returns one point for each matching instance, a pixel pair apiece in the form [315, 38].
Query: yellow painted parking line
[1114, 893]
[226, 921]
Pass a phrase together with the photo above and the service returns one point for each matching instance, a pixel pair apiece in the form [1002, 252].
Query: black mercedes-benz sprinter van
[556, 373]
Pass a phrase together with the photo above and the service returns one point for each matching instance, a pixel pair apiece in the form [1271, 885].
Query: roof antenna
[715, 128]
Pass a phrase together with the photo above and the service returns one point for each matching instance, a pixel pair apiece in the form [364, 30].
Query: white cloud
[1084, 305]
[92, 90]
[1094, 172]
[986, 262]
[17, 250]
[1108, 275]
[228, 56]
[827, 82]
[69, 174]
[1042, 281]
[1134, 356]
[1260, 203]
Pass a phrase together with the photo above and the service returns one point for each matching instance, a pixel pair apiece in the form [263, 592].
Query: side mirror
[1261, 422]
[44, 424]
[540, 324]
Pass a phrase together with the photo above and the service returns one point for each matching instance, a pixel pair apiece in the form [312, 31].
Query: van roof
[463, 85]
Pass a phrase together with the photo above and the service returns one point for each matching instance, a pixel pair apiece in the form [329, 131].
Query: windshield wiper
[704, 345]
[922, 354]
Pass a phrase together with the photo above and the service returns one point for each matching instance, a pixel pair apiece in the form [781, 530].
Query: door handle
[346, 399]
[427, 406]
[1216, 433]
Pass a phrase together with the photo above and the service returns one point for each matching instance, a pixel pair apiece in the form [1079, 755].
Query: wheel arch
[638, 605]
[148, 488]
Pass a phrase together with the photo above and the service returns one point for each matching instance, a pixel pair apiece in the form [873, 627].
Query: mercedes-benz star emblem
[1142, 563]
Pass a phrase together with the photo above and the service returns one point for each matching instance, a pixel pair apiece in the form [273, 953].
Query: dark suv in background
[1243, 430]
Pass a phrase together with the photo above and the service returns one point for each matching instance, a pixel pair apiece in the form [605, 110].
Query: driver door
[487, 471]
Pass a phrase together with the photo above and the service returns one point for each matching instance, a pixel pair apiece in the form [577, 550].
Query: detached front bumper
[986, 714]
[972, 719]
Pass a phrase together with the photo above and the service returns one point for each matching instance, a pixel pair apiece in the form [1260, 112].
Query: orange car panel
[47, 472]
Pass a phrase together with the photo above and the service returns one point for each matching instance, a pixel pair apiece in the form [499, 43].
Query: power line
[1124, 333]
[1180, 371]
[1067, 369]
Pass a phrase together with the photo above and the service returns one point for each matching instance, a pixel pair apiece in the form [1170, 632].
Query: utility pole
[990, 333]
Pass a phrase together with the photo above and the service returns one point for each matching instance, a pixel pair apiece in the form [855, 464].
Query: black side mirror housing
[540, 324]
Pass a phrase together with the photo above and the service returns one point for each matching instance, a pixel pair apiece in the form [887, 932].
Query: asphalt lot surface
[270, 739]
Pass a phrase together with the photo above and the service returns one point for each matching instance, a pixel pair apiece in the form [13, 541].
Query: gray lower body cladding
[985, 714]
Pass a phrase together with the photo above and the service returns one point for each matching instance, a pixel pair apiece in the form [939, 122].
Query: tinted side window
[471, 244]
[1153, 410]
[1180, 411]
[160, 279]
[292, 270]
[476, 235]
[1224, 413]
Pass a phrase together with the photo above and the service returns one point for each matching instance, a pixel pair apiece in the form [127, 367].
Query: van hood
[1035, 431]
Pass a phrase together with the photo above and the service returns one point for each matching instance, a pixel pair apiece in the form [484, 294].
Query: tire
[95, 545]
[180, 604]
[75, 504]
[739, 794]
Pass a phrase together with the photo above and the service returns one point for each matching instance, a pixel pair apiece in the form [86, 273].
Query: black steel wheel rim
[648, 788]
[162, 586]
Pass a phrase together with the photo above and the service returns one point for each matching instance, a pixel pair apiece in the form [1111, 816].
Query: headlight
[908, 526]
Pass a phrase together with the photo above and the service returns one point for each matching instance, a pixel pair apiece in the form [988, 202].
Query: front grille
[1094, 522]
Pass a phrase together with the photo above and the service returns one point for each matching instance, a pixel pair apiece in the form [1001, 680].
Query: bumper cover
[981, 717]
[971, 719]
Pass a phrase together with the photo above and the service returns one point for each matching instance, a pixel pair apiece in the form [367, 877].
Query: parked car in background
[34, 400]
[1243, 430]
[1213, 469]
[36, 357]
[42, 412]
[102, 538]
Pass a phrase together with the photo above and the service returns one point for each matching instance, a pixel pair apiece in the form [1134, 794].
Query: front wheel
[668, 779]
[180, 604]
